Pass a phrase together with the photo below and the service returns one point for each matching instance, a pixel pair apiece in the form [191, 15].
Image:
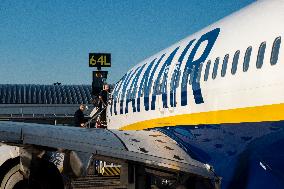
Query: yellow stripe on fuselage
[274, 112]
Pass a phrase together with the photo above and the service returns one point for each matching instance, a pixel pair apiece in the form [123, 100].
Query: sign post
[99, 60]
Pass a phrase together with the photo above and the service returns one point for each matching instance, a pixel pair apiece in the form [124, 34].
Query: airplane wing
[149, 148]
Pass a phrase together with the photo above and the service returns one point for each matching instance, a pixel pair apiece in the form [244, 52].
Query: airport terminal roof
[45, 94]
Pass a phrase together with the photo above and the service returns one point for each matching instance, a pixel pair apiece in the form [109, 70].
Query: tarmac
[96, 182]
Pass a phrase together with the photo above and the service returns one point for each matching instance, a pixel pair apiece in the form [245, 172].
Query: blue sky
[47, 41]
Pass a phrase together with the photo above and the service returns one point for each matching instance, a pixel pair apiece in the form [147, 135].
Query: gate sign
[99, 60]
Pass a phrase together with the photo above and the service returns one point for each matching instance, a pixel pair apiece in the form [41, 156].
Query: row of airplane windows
[246, 61]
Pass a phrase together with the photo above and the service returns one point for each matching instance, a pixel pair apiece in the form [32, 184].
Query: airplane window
[275, 51]
[260, 55]
[224, 66]
[199, 73]
[247, 59]
[207, 70]
[235, 62]
[215, 68]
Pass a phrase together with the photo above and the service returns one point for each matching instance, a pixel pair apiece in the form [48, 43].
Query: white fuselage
[249, 94]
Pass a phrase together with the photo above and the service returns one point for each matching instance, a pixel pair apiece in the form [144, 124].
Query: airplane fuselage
[219, 93]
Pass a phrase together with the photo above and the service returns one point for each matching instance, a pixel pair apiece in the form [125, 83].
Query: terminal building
[44, 103]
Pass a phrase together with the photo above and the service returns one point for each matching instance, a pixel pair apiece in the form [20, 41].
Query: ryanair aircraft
[219, 94]
[206, 112]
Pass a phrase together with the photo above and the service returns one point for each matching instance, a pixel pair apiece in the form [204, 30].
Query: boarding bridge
[144, 156]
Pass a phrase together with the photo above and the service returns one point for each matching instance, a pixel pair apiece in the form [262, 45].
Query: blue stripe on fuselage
[126, 83]
[148, 86]
[160, 84]
[176, 76]
[144, 83]
[115, 94]
[132, 91]
[162, 87]
[145, 78]
[210, 37]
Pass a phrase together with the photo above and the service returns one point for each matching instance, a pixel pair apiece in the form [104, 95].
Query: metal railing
[99, 112]
[94, 117]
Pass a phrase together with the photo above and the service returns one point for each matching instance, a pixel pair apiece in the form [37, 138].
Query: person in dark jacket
[103, 102]
[103, 96]
[79, 117]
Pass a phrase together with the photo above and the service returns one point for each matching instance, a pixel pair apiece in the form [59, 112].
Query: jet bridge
[143, 155]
